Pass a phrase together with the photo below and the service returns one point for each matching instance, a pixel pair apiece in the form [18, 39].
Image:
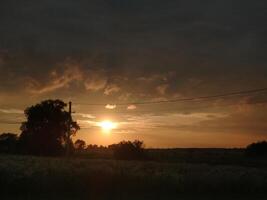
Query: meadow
[169, 174]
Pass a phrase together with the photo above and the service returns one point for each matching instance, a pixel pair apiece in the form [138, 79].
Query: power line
[238, 93]
[9, 122]
[200, 98]
[174, 109]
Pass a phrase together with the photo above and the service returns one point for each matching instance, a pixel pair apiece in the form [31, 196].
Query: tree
[79, 145]
[8, 142]
[127, 150]
[46, 129]
[257, 149]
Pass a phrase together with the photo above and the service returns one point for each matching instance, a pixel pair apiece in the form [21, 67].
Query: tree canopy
[127, 150]
[46, 130]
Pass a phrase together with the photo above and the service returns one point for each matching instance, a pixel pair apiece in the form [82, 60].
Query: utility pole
[69, 130]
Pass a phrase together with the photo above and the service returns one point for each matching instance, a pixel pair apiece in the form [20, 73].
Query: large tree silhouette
[46, 129]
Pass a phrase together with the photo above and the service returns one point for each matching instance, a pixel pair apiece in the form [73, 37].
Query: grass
[217, 156]
[27, 177]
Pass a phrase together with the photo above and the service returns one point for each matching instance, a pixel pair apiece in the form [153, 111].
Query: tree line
[47, 129]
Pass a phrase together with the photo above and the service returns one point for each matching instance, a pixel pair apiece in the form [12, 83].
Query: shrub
[8, 143]
[79, 145]
[127, 150]
[258, 149]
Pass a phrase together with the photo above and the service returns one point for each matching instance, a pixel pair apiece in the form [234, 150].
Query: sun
[107, 125]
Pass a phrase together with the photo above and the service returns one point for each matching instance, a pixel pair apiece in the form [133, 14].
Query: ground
[28, 177]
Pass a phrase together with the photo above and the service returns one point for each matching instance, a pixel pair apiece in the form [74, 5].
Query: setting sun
[107, 126]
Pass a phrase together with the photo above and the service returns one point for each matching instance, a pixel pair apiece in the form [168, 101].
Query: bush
[8, 143]
[79, 145]
[127, 150]
[258, 149]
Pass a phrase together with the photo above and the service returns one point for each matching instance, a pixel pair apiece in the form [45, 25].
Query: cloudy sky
[115, 52]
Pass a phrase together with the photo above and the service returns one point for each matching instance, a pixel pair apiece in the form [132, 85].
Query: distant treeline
[134, 150]
[127, 150]
[49, 128]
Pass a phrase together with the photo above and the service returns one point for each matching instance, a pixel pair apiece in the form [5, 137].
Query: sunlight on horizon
[107, 126]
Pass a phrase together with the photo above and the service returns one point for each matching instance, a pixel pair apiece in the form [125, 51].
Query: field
[170, 174]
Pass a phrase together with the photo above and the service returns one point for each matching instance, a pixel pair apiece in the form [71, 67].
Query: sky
[113, 52]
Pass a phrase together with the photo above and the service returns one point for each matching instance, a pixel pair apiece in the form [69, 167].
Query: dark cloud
[198, 40]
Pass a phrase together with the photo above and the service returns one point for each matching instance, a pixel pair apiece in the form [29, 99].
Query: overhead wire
[194, 99]
[199, 98]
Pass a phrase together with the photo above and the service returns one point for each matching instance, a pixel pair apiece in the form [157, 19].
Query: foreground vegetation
[62, 178]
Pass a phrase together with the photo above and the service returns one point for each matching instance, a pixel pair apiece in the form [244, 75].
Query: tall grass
[32, 177]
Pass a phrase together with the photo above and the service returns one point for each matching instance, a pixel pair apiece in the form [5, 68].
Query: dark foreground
[25, 177]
